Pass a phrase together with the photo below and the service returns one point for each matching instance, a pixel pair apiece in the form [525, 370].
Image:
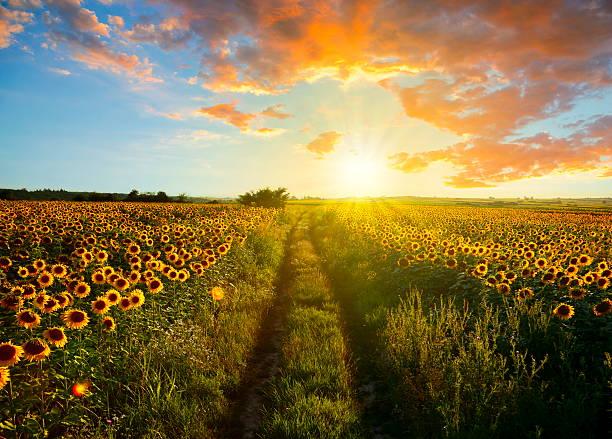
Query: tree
[132, 196]
[265, 197]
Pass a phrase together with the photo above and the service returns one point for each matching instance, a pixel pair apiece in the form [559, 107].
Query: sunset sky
[327, 98]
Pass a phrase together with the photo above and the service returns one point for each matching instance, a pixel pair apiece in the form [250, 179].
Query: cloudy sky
[327, 98]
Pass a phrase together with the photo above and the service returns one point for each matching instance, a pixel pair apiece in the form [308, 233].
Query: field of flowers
[336, 320]
[476, 322]
[94, 295]
[562, 256]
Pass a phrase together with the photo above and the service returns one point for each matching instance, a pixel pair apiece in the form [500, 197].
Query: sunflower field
[477, 322]
[94, 298]
[332, 319]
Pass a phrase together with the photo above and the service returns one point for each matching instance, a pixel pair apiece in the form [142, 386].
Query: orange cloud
[480, 110]
[11, 22]
[486, 162]
[290, 42]
[60, 71]
[325, 143]
[267, 132]
[228, 114]
[276, 112]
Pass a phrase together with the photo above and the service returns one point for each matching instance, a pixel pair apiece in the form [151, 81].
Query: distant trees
[265, 197]
[148, 197]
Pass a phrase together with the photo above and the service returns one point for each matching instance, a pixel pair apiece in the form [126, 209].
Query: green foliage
[265, 198]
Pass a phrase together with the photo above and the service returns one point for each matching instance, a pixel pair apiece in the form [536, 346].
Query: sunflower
[5, 377]
[28, 319]
[576, 293]
[39, 264]
[9, 354]
[585, 260]
[45, 279]
[217, 293]
[101, 305]
[112, 296]
[125, 303]
[510, 276]
[36, 350]
[23, 272]
[450, 263]
[134, 277]
[62, 299]
[503, 288]
[133, 249]
[524, 294]
[107, 271]
[98, 278]
[39, 301]
[541, 263]
[82, 289]
[172, 274]
[155, 285]
[75, 318]
[5, 262]
[571, 270]
[121, 284]
[29, 291]
[183, 275]
[603, 283]
[109, 323]
[588, 278]
[59, 270]
[11, 302]
[527, 272]
[564, 311]
[604, 307]
[50, 305]
[55, 336]
[136, 298]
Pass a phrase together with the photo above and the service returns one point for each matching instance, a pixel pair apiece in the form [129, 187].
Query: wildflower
[217, 293]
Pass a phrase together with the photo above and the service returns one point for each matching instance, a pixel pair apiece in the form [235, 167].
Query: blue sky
[164, 102]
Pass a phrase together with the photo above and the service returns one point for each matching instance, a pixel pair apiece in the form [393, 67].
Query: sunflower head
[564, 311]
[36, 350]
[55, 336]
[75, 318]
[9, 354]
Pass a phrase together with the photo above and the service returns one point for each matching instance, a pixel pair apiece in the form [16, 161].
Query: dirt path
[245, 415]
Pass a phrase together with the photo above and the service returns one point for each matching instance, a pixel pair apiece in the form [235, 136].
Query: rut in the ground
[263, 364]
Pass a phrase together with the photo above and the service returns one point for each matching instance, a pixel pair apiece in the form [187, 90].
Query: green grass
[312, 394]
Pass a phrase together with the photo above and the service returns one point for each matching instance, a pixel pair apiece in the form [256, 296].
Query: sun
[360, 174]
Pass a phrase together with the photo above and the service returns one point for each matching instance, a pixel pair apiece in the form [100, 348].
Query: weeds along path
[245, 416]
[311, 395]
